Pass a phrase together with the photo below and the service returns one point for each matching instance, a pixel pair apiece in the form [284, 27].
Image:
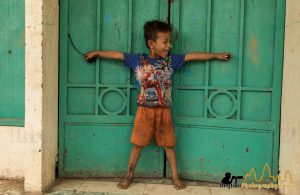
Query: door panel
[227, 113]
[98, 100]
[207, 153]
[12, 63]
[92, 150]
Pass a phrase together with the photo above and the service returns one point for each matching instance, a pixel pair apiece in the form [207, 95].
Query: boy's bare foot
[178, 184]
[125, 183]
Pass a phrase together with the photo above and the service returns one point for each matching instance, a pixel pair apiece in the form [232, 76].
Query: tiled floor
[104, 187]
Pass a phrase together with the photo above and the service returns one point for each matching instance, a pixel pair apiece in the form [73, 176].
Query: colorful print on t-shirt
[154, 78]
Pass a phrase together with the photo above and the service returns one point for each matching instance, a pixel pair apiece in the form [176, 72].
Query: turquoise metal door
[98, 100]
[227, 113]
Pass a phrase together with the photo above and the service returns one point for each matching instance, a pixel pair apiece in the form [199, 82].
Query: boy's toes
[124, 184]
[120, 185]
[179, 185]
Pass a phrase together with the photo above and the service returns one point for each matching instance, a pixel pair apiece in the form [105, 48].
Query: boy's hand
[90, 56]
[224, 56]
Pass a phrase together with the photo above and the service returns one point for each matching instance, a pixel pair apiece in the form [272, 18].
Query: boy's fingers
[86, 57]
[227, 56]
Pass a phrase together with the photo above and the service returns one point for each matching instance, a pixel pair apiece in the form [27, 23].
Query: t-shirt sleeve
[131, 60]
[177, 60]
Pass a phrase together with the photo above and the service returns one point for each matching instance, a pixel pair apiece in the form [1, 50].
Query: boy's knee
[137, 147]
[167, 148]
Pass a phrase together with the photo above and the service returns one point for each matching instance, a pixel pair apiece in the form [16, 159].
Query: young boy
[154, 84]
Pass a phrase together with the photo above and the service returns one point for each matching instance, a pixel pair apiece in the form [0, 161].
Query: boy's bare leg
[134, 156]
[170, 152]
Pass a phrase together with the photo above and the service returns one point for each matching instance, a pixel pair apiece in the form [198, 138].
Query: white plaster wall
[33, 95]
[30, 152]
[50, 90]
[41, 79]
[289, 158]
[12, 141]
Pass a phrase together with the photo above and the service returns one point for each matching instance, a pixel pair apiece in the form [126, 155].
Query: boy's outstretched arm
[104, 54]
[206, 56]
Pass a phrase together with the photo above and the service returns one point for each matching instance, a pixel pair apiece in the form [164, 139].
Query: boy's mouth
[165, 53]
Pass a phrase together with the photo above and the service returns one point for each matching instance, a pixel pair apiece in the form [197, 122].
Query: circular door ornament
[106, 92]
[231, 99]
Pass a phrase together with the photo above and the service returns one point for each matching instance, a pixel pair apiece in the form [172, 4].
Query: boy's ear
[151, 43]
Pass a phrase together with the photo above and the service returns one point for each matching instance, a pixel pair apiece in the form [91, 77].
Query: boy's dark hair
[151, 29]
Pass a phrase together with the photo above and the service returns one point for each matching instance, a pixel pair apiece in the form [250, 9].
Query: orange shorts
[150, 122]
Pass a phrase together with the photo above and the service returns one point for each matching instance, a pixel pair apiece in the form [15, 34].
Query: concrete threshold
[140, 186]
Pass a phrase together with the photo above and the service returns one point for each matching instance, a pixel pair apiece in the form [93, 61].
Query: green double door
[226, 114]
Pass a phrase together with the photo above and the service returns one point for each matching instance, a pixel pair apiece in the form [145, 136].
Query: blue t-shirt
[154, 77]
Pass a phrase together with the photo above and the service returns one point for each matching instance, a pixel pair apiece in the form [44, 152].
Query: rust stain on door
[254, 49]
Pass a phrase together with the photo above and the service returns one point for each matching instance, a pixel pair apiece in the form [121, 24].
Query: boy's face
[161, 46]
